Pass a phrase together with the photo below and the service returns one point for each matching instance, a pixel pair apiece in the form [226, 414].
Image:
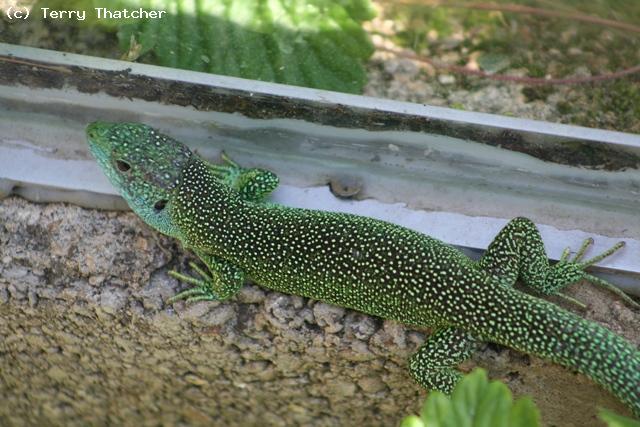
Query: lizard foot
[202, 290]
[229, 171]
[577, 262]
[252, 184]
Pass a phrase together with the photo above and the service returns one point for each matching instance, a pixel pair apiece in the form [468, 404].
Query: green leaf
[477, 402]
[314, 43]
[614, 420]
[494, 406]
[467, 394]
[437, 410]
[411, 421]
[524, 413]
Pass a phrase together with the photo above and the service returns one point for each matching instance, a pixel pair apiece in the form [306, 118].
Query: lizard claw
[229, 171]
[202, 290]
[591, 278]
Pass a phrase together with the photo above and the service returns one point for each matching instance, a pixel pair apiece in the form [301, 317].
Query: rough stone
[111, 352]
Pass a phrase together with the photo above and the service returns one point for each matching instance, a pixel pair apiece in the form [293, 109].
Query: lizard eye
[123, 166]
[160, 204]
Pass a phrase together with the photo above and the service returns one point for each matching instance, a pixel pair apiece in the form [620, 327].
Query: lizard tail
[537, 327]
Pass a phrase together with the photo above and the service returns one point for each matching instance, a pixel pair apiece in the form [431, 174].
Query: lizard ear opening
[160, 205]
[123, 166]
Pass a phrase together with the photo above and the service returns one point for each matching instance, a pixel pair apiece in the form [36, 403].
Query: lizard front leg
[252, 184]
[517, 252]
[223, 281]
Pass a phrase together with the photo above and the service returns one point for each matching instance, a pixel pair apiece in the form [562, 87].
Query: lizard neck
[202, 207]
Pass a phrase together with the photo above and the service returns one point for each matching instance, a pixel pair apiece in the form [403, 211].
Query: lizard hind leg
[434, 365]
[518, 252]
[567, 271]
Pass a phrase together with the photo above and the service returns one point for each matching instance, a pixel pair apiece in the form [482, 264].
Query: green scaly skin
[368, 265]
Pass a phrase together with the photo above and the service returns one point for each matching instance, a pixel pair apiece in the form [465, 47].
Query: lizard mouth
[96, 133]
[100, 147]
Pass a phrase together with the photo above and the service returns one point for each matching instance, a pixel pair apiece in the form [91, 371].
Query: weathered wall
[85, 339]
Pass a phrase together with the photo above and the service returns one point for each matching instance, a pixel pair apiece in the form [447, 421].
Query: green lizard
[220, 212]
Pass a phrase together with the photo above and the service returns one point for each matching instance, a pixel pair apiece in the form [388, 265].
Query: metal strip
[451, 168]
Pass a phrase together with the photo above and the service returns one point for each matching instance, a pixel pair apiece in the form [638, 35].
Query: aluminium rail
[456, 175]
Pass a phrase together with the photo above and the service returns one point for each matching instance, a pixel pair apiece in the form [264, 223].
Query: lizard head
[143, 165]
